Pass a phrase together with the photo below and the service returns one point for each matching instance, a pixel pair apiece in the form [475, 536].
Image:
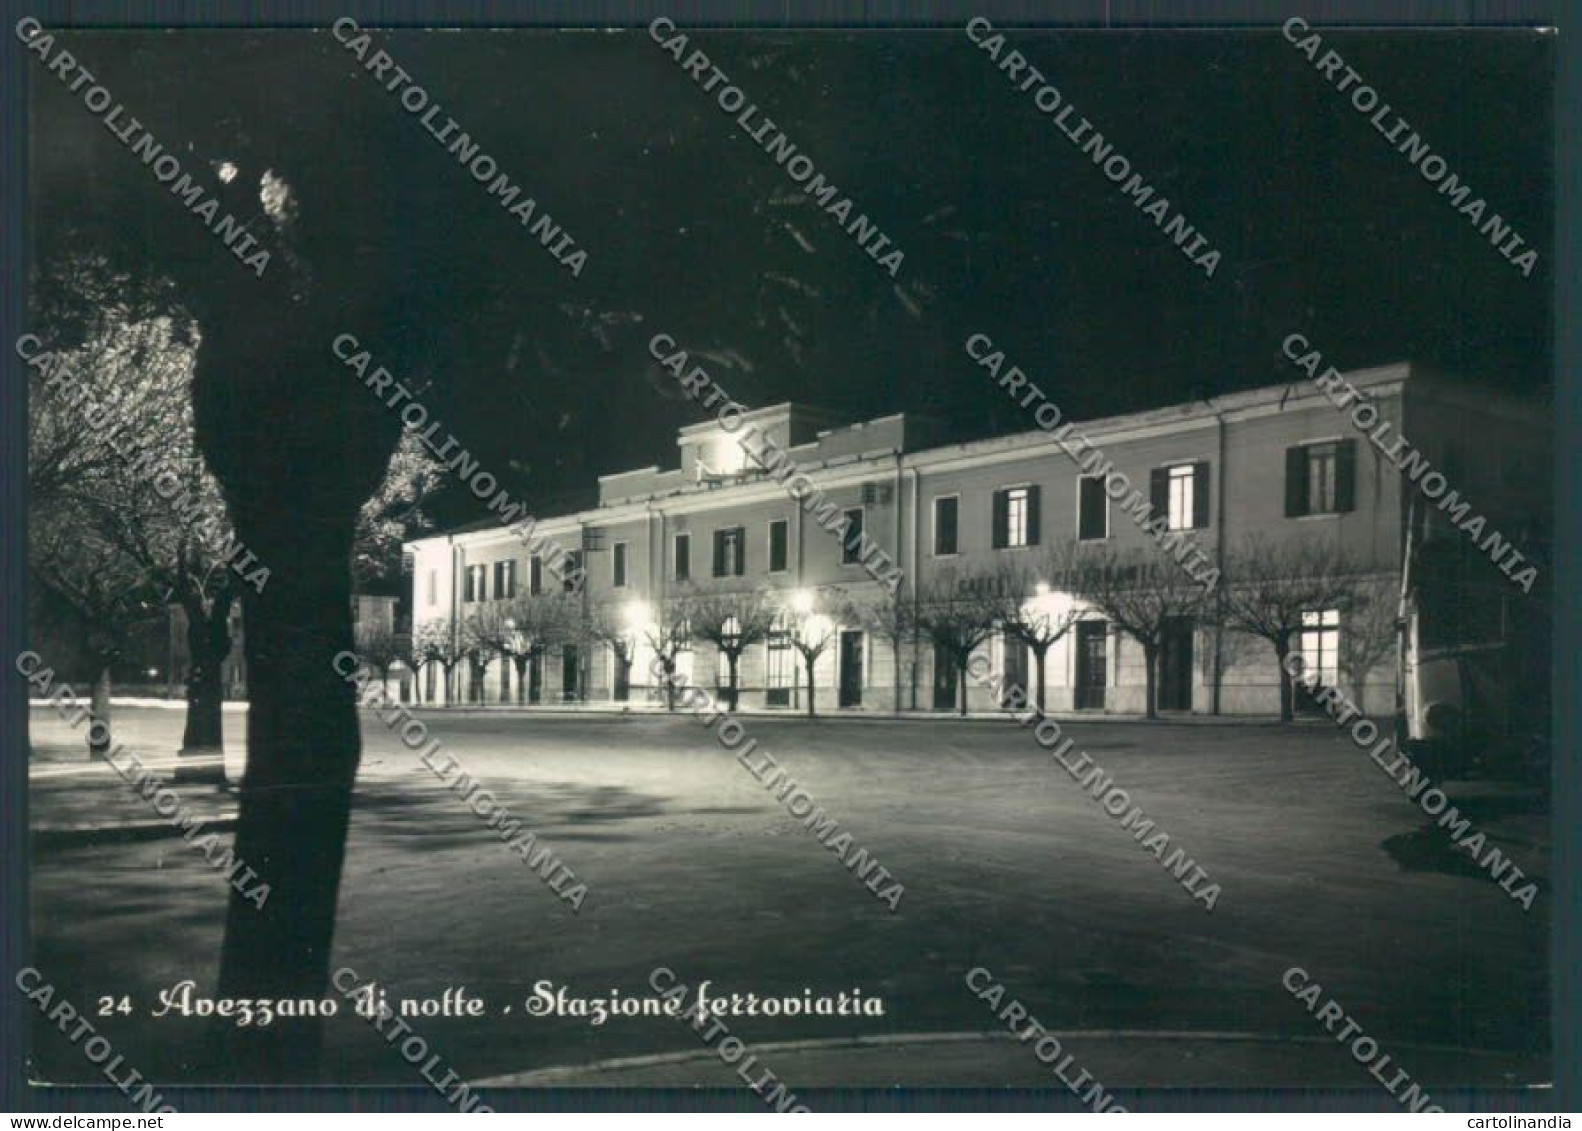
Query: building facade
[1280, 463]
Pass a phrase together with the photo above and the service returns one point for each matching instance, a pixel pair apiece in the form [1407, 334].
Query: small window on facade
[683, 557]
[779, 543]
[618, 566]
[1093, 509]
[945, 514]
[851, 540]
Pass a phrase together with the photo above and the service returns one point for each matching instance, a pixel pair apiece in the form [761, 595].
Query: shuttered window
[1321, 478]
[945, 513]
[1093, 509]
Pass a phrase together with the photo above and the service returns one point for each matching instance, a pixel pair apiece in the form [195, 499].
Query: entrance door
[535, 678]
[569, 662]
[850, 669]
[944, 680]
[1175, 665]
[1015, 674]
[623, 677]
[1093, 664]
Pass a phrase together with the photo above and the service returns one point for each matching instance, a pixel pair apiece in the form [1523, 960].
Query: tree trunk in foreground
[99, 708]
[303, 750]
[203, 738]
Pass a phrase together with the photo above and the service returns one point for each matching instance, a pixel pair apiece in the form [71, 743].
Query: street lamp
[802, 602]
[638, 615]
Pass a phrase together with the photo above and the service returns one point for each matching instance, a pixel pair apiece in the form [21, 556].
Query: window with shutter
[1034, 509]
[720, 543]
[779, 535]
[1200, 489]
[1180, 490]
[945, 510]
[739, 551]
[618, 566]
[998, 518]
[851, 540]
[1346, 476]
[1295, 482]
[1093, 509]
[683, 557]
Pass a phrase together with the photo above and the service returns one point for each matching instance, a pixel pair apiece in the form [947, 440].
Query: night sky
[1007, 227]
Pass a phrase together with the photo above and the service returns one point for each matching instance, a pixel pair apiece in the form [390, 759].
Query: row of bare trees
[126, 517]
[1265, 592]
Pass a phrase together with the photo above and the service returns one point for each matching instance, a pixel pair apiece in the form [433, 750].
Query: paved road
[691, 864]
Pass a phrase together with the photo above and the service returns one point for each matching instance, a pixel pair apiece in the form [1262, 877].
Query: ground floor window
[1320, 645]
[779, 670]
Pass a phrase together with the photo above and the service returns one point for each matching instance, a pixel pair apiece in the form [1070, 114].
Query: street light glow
[802, 601]
[637, 614]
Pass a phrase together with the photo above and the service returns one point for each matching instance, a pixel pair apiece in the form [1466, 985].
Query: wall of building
[1243, 439]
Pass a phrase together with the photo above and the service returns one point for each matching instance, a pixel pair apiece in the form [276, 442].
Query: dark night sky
[1007, 227]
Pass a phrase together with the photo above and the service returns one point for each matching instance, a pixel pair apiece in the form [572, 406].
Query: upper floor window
[1321, 478]
[1016, 517]
[477, 580]
[535, 575]
[730, 552]
[851, 537]
[945, 513]
[1093, 509]
[1180, 493]
[779, 545]
[682, 557]
[618, 565]
[504, 580]
[571, 580]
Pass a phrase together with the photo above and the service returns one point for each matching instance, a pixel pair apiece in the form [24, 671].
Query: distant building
[1281, 461]
[367, 611]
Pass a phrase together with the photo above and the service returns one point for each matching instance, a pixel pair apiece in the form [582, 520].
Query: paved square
[1007, 864]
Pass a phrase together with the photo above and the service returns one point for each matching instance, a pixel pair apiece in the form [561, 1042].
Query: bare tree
[1369, 633]
[438, 643]
[814, 633]
[1268, 586]
[609, 625]
[1142, 593]
[958, 615]
[104, 594]
[522, 629]
[892, 618]
[1028, 609]
[668, 635]
[732, 622]
[127, 376]
[378, 646]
